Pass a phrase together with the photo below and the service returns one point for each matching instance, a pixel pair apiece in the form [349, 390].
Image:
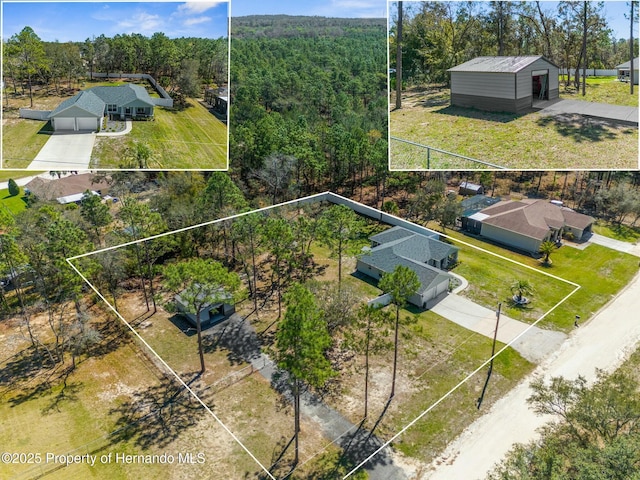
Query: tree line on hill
[180, 64]
[439, 35]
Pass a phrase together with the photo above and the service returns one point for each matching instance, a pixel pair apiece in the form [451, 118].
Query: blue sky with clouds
[77, 21]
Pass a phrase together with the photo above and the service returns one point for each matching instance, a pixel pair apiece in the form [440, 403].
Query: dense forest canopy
[440, 35]
[313, 105]
[28, 60]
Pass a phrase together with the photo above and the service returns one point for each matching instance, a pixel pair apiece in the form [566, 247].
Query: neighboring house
[624, 71]
[426, 256]
[67, 189]
[87, 109]
[508, 84]
[218, 98]
[468, 188]
[209, 315]
[525, 224]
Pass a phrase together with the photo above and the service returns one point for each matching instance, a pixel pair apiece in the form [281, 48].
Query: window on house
[112, 108]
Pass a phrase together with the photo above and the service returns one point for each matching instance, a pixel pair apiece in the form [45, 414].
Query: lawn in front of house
[622, 232]
[601, 273]
[178, 138]
[602, 90]
[528, 141]
[22, 139]
[14, 203]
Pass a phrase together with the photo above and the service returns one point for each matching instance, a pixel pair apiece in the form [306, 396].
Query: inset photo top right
[513, 85]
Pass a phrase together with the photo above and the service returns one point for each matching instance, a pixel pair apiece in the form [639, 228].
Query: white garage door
[64, 123]
[86, 123]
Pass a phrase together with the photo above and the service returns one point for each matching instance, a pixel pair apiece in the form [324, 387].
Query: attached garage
[507, 84]
[81, 112]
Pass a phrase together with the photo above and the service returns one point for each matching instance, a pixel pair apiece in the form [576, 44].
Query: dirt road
[609, 337]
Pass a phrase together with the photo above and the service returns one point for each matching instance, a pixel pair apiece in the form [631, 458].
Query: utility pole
[493, 352]
[631, 73]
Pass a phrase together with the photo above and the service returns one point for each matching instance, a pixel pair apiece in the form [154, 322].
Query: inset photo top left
[115, 85]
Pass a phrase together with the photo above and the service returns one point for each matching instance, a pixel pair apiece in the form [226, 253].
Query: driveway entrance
[65, 151]
[617, 113]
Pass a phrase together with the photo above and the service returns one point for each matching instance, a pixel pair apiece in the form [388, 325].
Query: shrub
[14, 189]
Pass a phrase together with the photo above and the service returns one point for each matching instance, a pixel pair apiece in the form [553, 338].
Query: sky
[614, 14]
[324, 8]
[77, 21]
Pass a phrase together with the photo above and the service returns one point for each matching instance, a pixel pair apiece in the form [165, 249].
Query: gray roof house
[508, 84]
[624, 70]
[427, 257]
[86, 110]
[525, 224]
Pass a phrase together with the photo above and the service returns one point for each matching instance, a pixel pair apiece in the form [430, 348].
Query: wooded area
[181, 65]
[440, 35]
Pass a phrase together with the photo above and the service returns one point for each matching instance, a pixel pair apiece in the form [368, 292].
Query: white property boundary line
[364, 210]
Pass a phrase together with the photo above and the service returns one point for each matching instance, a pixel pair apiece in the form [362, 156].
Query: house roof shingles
[46, 189]
[625, 65]
[85, 100]
[497, 64]
[533, 218]
[94, 100]
[399, 246]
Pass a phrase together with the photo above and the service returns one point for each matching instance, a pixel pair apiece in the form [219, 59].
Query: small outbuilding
[210, 314]
[624, 71]
[507, 84]
[468, 188]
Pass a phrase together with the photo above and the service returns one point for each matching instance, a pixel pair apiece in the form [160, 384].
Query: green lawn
[602, 90]
[504, 139]
[624, 233]
[187, 138]
[440, 354]
[600, 271]
[22, 139]
[15, 204]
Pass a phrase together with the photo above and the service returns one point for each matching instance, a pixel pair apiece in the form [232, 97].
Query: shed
[210, 314]
[468, 188]
[508, 84]
[624, 71]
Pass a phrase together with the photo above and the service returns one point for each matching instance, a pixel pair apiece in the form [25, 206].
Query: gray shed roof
[625, 65]
[497, 64]
[85, 100]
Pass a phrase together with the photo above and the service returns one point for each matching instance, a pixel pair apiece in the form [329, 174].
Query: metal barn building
[506, 84]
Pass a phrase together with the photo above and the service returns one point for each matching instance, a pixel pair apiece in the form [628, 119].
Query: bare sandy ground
[609, 337]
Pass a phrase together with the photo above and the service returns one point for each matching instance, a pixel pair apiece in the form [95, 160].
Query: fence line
[474, 161]
[34, 114]
[591, 72]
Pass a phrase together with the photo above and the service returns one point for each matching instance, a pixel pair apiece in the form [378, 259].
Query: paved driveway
[614, 244]
[533, 343]
[616, 113]
[65, 151]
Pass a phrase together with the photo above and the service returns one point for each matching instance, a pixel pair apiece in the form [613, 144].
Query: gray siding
[480, 84]
[484, 103]
[524, 79]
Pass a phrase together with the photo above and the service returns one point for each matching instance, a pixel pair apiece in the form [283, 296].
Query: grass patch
[22, 139]
[179, 138]
[513, 141]
[602, 90]
[600, 271]
[15, 204]
[624, 233]
[447, 353]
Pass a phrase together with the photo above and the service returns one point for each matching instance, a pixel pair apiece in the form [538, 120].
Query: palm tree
[520, 288]
[547, 248]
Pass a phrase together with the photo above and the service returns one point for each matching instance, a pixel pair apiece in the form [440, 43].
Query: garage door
[64, 124]
[86, 123]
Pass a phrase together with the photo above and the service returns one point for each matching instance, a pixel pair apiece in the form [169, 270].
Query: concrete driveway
[65, 151]
[617, 113]
[614, 244]
[532, 343]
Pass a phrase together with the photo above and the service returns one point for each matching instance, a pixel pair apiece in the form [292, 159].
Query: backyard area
[512, 140]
